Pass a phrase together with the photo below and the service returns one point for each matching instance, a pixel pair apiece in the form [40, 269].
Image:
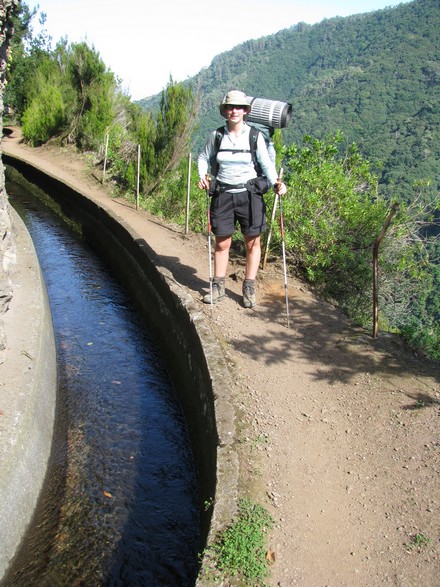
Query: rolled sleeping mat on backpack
[269, 112]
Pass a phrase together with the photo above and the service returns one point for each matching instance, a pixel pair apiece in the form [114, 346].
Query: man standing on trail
[237, 191]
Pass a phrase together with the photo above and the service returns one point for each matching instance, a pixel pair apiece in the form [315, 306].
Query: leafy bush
[45, 116]
[425, 338]
[331, 217]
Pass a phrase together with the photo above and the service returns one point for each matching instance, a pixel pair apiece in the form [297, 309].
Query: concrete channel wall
[28, 378]
[194, 357]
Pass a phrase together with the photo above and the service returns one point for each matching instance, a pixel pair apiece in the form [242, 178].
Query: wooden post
[269, 234]
[105, 158]
[137, 176]
[188, 190]
[376, 246]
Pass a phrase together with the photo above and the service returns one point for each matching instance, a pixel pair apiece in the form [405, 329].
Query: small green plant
[260, 440]
[208, 503]
[418, 541]
[240, 550]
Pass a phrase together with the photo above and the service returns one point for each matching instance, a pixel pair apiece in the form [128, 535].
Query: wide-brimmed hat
[235, 98]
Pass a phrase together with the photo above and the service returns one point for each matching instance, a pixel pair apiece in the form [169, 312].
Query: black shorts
[227, 208]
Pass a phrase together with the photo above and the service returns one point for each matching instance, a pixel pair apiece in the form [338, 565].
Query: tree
[25, 55]
[174, 125]
[94, 87]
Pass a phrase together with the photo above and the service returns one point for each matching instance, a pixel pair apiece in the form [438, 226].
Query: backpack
[253, 139]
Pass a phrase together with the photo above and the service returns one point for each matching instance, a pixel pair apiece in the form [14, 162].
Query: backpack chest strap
[234, 151]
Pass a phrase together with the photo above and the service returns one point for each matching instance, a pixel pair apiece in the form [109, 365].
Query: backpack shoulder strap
[219, 134]
[253, 140]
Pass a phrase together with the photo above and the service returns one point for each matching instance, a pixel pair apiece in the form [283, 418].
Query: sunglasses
[234, 107]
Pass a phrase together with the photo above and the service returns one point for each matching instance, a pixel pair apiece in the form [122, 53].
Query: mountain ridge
[374, 76]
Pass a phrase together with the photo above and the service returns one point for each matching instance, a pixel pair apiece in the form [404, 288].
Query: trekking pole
[284, 251]
[208, 212]
[269, 234]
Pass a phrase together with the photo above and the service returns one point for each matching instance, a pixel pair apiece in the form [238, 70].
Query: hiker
[233, 154]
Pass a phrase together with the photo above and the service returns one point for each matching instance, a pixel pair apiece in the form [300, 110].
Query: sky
[144, 42]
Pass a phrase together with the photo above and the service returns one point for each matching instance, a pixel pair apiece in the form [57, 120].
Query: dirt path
[337, 433]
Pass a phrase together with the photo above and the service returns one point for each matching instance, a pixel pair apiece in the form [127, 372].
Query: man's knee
[252, 242]
[223, 244]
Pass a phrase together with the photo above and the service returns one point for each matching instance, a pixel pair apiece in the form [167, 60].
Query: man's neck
[236, 128]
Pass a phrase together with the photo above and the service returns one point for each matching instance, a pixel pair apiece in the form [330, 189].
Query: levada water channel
[120, 503]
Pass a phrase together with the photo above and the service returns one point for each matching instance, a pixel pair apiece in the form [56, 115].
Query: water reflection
[123, 486]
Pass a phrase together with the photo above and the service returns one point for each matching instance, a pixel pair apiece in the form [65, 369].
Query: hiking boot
[249, 298]
[218, 291]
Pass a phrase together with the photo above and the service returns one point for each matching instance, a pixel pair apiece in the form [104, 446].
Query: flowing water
[120, 503]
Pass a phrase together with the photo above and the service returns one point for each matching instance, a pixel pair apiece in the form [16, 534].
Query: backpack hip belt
[225, 187]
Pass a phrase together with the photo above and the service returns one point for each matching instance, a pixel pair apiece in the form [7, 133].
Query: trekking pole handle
[279, 179]
[204, 182]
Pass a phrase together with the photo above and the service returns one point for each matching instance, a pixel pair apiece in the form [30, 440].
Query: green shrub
[240, 550]
[169, 202]
[426, 338]
[44, 117]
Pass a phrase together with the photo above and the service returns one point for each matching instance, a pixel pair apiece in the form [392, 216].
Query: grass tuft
[241, 548]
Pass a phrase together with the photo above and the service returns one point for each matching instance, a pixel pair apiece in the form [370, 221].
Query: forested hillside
[365, 97]
[374, 76]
